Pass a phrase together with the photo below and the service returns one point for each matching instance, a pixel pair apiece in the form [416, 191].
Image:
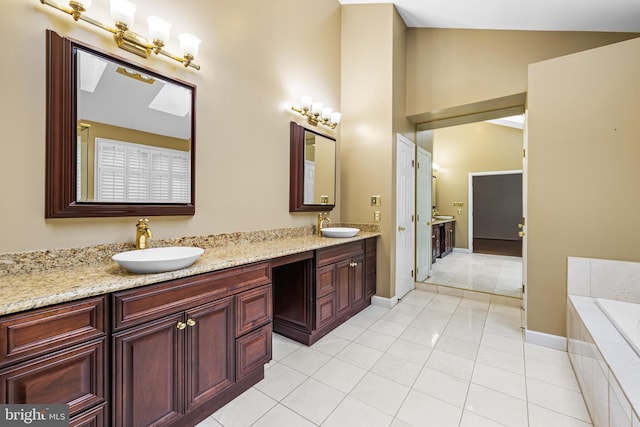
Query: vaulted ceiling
[535, 15]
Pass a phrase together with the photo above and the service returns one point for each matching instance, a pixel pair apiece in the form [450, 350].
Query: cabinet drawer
[95, 417]
[75, 377]
[45, 330]
[335, 253]
[325, 280]
[141, 305]
[325, 310]
[253, 350]
[253, 308]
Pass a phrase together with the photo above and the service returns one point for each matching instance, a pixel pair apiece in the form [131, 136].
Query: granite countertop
[28, 290]
[442, 221]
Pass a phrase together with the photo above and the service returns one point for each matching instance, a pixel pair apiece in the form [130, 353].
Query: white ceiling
[541, 15]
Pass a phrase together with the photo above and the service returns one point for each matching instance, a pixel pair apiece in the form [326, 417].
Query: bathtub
[625, 316]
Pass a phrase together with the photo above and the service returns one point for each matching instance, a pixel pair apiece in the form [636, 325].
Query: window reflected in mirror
[134, 135]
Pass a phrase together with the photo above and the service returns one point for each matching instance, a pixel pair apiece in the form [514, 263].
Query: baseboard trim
[461, 250]
[546, 340]
[384, 302]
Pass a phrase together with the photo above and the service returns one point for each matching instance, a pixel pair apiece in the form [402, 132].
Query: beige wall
[448, 68]
[373, 69]
[460, 150]
[257, 58]
[583, 167]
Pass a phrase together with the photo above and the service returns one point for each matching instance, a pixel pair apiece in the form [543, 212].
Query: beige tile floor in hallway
[495, 274]
[432, 360]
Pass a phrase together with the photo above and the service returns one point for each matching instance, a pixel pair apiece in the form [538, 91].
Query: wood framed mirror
[120, 137]
[312, 186]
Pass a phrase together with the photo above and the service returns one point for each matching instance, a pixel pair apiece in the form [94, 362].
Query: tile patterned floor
[495, 274]
[432, 360]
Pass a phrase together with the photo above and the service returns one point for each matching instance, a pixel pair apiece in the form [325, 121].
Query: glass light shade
[305, 102]
[326, 113]
[335, 117]
[316, 107]
[123, 11]
[189, 44]
[86, 4]
[159, 29]
[435, 166]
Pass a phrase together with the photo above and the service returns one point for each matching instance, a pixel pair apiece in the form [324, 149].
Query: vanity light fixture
[316, 113]
[122, 12]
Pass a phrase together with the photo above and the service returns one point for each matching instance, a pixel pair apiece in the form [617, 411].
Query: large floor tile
[422, 410]
[352, 412]
[559, 399]
[340, 375]
[501, 359]
[283, 346]
[330, 344]
[411, 351]
[381, 393]
[543, 417]
[313, 400]
[245, 409]
[359, 355]
[469, 419]
[279, 381]
[305, 360]
[443, 386]
[281, 416]
[497, 406]
[375, 340]
[453, 365]
[500, 380]
[397, 369]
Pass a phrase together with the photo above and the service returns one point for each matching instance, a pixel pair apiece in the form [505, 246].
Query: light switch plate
[376, 216]
[376, 200]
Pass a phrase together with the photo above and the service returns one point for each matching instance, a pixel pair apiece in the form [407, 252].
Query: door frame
[470, 202]
[409, 227]
[426, 194]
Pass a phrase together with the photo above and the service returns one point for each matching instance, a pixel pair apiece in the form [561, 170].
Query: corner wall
[373, 97]
[450, 67]
[583, 170]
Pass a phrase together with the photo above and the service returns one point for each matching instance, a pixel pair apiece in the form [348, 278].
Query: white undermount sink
[158, 260]
[339, 231]
[444, 216]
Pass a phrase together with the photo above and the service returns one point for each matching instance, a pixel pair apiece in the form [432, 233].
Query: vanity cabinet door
[436, 241]
[358, 291]
[74, 377]
[148, 372]
[343, 286]
[210, 356]
[350, 284]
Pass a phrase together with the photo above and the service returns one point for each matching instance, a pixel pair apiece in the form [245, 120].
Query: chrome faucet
[322, 217]
[143, 233]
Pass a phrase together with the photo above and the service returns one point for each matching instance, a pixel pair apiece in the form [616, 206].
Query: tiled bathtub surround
[607, 368]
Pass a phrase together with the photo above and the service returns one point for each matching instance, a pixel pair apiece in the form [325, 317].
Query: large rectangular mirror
[313, 171]
[120, 137]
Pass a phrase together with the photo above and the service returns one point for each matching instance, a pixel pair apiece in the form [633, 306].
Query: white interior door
[405, 205]
[423, 215]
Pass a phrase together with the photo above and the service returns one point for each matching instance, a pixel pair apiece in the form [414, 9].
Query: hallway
[495, 274]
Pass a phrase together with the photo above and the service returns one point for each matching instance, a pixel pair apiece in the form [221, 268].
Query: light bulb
[335, 118]
[189, 44]
[123, 11]
[159, 29]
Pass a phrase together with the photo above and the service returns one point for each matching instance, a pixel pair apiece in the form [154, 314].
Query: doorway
[481, 156]
[495, 210]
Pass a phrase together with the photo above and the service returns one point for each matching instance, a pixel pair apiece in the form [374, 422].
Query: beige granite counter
[27, 289]
[442, 221]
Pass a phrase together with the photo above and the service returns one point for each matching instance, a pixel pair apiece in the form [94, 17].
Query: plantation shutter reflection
[151, 174]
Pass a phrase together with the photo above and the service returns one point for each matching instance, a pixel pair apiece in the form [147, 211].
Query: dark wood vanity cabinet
[443, 239]
[56, 355]
[309, 303]
[193, 345]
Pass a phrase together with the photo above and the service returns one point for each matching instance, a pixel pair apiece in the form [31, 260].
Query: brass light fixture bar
[135, 75]
[316, 113]
[125, 38]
